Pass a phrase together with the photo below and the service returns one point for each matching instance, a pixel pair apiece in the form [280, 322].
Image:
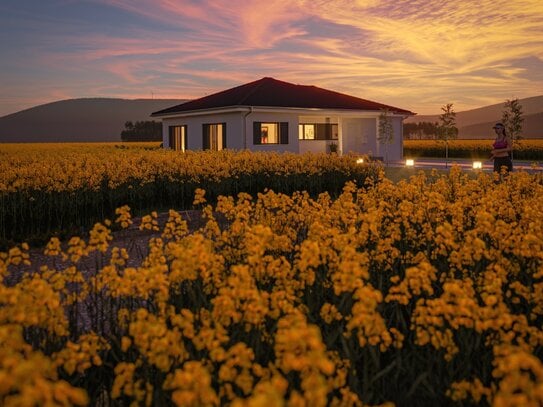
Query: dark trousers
[500, 162]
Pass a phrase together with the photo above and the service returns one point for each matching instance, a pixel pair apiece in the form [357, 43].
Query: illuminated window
[306, 131]
[270, 133]
[178, 138]
[214, 136]
[318, 131]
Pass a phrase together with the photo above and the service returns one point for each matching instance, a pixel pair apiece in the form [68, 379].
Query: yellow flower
[124, 217]
[191, 386]
[199, 199]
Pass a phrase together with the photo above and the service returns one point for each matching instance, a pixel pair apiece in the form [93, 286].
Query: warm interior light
[409, 162]
[477, 165]
[360, 161]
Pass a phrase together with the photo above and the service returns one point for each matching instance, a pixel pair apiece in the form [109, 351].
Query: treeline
[423, 131]
[142, 131]
[512, 119]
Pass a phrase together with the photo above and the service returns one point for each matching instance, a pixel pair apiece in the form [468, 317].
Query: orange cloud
[415, 54]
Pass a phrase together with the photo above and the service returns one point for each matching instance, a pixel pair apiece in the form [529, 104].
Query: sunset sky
[413, 54]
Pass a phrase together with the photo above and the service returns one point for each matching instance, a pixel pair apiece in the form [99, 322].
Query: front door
[352, 136]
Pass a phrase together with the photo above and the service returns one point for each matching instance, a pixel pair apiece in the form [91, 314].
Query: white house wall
[271, 117]
[314, 146]
[318, 119]
[317, 146]
[356, 134]
[395, 149]
[194, 129]
[235, 138]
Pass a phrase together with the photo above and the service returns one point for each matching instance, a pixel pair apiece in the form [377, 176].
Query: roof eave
[199, 112]
[244, 108]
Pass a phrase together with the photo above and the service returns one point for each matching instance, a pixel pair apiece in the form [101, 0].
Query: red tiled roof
[271, 92]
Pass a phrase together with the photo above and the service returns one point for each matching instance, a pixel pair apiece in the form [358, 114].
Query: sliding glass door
[214, 136]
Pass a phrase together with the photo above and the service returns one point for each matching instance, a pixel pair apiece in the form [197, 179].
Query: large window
[214, 136]
[318, 131]
[178, 138]
[270, 133]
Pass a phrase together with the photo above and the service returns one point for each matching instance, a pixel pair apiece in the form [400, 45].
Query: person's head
[499, 128]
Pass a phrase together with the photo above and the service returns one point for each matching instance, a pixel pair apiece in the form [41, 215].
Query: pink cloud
[410, 53]
[260, 23]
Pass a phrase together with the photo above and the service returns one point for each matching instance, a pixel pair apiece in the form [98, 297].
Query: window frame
[318, 130]
[182, 137]
[282, 136]
[207, 143]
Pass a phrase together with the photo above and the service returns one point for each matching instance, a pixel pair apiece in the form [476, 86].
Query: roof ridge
[268, 91]
[255, 88]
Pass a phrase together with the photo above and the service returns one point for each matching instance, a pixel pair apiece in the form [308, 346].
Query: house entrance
[356, 134]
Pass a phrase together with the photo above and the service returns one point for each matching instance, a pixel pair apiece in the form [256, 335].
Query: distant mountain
[102, 119]
[78, 120]
[477, 123]
[532, 127]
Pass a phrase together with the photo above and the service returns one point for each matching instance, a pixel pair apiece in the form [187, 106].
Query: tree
[142, 131]
[512, 120]
[420, 130]
[447, 126]
[386, 131]
[410, 130]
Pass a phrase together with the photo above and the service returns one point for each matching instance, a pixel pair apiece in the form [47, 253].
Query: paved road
[465, 164]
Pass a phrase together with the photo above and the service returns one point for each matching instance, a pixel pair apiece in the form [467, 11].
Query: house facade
[272, 115]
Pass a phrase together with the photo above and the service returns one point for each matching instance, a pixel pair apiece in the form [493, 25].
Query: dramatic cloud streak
[415, 54]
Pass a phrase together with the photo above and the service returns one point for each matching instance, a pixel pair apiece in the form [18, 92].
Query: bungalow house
[272, 115]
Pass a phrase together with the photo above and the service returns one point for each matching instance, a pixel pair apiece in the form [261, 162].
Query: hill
[477, 123]
[102, 119]
[78, 120]
[532, 127]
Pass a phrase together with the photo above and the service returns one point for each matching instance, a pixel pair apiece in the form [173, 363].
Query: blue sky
[414, 54]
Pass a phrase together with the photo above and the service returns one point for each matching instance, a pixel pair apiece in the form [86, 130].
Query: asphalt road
[487, 165]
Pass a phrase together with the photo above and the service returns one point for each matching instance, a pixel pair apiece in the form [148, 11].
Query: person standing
[501, 149]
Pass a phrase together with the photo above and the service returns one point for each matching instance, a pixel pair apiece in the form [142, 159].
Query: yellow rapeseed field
[61, 188]
[526, 149]
[424, 292]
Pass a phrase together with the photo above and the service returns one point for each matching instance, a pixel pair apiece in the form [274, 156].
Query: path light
[477, 165]
[360, 161]
[409, 162]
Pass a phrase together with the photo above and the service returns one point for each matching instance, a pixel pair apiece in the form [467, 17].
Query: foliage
[46, 189]
[512, 120]
[149, 130]
[447, 126]
[527, 149]
[425, 292]
[420, 130]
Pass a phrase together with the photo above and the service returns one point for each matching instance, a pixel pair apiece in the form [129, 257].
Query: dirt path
[132, 239]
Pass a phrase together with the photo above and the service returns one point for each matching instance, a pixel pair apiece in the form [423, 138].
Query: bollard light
[477, 165]
[360, 161]
[409, 162]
